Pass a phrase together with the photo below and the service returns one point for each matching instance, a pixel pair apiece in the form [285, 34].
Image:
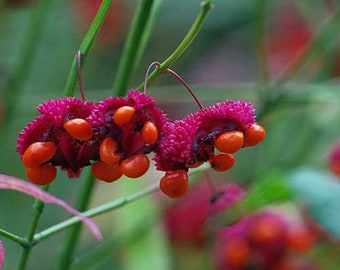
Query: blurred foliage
[300, 116]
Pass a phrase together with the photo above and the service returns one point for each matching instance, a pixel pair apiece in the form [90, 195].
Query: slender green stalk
[206, 6]
[85, 192]
[147, 32]
[20, 240]
[260, 27]
[72, 236]
[86, 45]
[135, 44]
[83, 199]
[16, 81]
[37, 210]
[115, 204]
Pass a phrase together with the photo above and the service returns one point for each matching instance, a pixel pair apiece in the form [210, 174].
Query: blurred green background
[244, 46]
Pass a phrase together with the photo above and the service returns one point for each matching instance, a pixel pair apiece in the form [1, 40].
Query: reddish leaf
[14, 183]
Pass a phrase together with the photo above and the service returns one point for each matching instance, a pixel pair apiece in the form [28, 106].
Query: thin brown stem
[147, 73]
[173, 73]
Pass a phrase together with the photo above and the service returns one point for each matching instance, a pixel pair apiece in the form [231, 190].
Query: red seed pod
[105, 172]
[123, 115]
[236, 252]
[42, 175]
[174, 183]
[38, 153]
[135, 166]
[300, 239]
[254, 135]
[149, 132]
[266, 230]
[79, 129]
[107, 151]
[230, 141]
[222, 162]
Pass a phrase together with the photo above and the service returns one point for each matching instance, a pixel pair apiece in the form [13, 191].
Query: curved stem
[173, 73]
[72, 236]
[86, 45]
[20, 240]
[153, 64]
[206, 6]
[37, 210]
[178, 77]
[135, 44]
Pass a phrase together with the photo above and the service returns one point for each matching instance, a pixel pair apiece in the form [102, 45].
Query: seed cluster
[212, 134]
[264, 240]
[115, 135]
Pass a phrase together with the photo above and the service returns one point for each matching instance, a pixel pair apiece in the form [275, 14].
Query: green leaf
[320, 191]
[272, 189]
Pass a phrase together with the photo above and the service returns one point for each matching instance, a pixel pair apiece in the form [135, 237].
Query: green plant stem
[72, 237]
[147, 32]
[115, 204]
[18, 77]
[206, 6]
[20, 240]
[135, 44]
[86, 45]
[37, 210]
[71, 240]
[260, 30]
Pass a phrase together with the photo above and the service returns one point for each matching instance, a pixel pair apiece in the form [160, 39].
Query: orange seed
[254, 135]
[135, 166]
[78, 128]
[123, 115]
[230, 141]
[41, 175]
[38, 153]
[174, 184]
[222, 162]
[149, 132]
[107, 151]
[105, 172]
